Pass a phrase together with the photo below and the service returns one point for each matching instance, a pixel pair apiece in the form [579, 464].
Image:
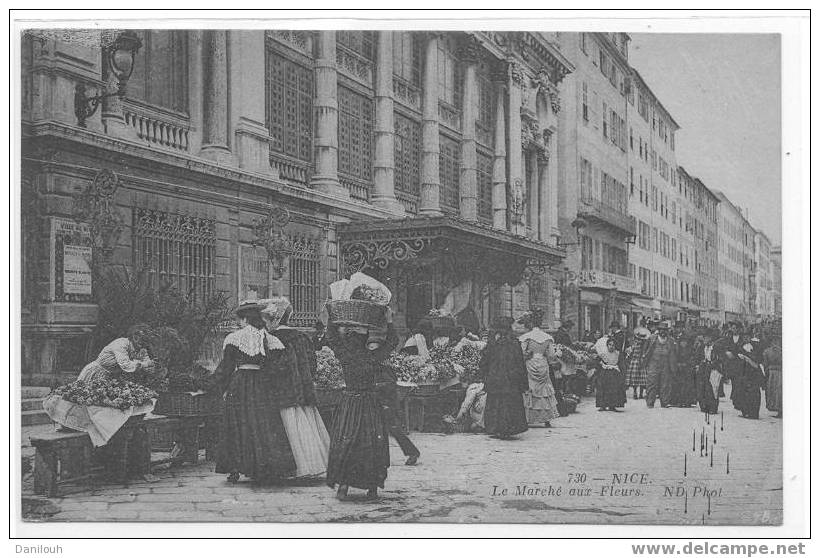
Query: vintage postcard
[518, 272]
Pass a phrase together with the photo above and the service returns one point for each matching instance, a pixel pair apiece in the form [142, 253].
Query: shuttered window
[289, 107]
[485, 187]
[406, 154]
[355, 134]
[449, 168]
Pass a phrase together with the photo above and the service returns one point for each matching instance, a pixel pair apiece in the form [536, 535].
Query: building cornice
[207, 169]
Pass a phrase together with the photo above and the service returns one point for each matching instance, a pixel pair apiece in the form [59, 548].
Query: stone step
[31, 404]
[30, 418]
[34, 392]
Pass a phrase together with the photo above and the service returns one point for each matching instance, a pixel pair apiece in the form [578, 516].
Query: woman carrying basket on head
[359, 450]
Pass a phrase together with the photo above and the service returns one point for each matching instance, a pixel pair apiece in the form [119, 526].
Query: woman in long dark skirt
[359, 451]
[773, 364]
[709, 375]
[252, 438]
[610, 388]
[505, 381]
[684, 392]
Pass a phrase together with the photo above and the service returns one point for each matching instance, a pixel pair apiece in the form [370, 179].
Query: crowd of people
[272, 430]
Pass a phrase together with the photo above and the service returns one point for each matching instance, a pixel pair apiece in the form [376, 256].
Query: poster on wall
[72, 255]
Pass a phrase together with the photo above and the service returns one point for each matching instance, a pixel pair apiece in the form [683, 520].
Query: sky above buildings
[724, 92]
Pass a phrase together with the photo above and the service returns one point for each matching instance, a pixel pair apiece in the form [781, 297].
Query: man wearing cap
[661, 362]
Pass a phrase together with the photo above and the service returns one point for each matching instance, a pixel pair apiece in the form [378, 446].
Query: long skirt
[774, 390]
[746, 393]
[308, 439]
[610, 390]
[684, 392]
[635, 373]
[504, 414]
[708, 382]
[252, 438]
[359, 450]
[540, 401]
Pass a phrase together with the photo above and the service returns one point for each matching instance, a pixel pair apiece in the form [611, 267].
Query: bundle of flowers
[578, 353]
[436, 313]
[106, 392]
[411, 369]
[370, 294]
[468, 358]
[190, 379]
[443, 360]
[329, 373]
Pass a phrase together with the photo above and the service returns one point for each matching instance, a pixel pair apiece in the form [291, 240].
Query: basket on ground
[357, 313]
[183, 404]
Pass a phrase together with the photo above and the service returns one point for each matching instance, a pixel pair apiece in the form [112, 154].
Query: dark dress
[296, 387]
[359, 450]
[610, 388]
[505, 380]
[684, 391]
[252, 437]
[747, 378]
[705, 392]
[773, 363]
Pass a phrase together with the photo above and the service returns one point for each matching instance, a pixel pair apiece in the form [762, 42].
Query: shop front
[457, 267]
[604, 298]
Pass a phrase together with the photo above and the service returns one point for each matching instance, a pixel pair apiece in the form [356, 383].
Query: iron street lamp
[118, 59]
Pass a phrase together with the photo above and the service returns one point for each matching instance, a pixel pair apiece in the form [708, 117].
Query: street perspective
[399, 276]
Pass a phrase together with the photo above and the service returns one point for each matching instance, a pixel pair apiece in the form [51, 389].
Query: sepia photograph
[456, 272]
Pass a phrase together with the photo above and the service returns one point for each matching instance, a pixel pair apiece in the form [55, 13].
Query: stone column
[326, 105]
[384, 194]
[247, 110]
[429, 204]
[500, 164]
[552, 185]
[546, 196]
[514, 82]
[111, 113]
[215, 96]
[469, 177]
[534, 192]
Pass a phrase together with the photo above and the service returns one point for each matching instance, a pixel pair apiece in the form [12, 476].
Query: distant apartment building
[733, 260]
[593, 204]
[698, 257]
[652, 178]
[777, 285]
[763, 284]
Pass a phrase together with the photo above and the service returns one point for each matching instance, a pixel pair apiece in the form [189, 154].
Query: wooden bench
[66, 458]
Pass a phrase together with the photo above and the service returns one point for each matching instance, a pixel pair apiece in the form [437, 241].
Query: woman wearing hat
[539, 400]
[252, 440]
[296, 396]
[709, 373]
[635, 370]
[505, 380]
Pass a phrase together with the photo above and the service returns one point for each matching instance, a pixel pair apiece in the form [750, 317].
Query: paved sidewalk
[566, 474]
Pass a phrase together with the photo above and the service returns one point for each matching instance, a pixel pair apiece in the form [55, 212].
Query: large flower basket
[183, 404]
[357, 313]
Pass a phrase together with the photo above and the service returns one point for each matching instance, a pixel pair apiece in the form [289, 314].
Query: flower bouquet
[329, 373]
[468, 358]
[99, 407]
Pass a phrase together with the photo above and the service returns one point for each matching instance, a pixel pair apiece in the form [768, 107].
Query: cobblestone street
[559, 475]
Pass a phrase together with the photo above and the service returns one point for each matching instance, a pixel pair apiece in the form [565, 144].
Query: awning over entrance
[465, 249]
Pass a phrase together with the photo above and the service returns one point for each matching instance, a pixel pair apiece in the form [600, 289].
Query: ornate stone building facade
[262, 162]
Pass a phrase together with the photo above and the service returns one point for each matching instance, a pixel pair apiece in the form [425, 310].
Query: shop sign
[604, 280]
